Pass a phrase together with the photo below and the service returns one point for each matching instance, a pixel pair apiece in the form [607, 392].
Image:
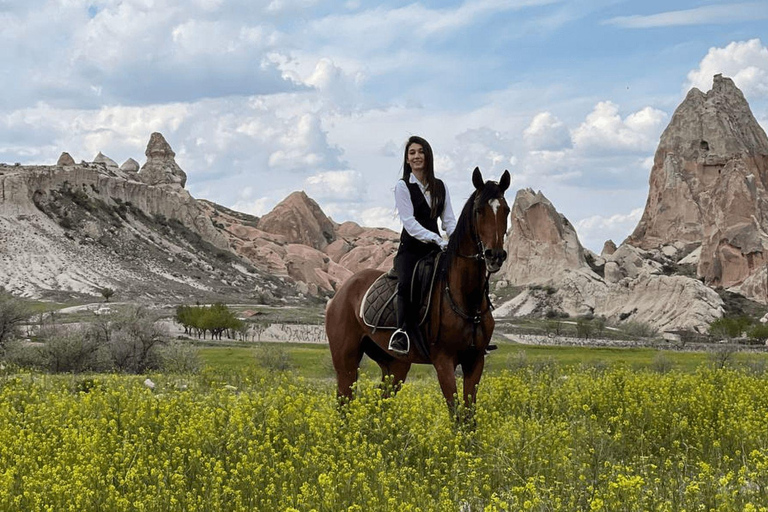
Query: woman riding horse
[459, 325]
[420, 199]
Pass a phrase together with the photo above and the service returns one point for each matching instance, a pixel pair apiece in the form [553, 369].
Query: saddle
[378, 306]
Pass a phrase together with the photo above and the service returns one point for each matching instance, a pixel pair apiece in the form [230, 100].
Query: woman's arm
[448, 218]
[411, 225]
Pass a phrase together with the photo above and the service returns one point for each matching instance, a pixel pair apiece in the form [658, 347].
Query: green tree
[107, 293]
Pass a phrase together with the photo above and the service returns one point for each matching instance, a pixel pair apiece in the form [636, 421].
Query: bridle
[476, 316]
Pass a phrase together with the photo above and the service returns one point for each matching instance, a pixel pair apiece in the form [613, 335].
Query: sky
[261, 98]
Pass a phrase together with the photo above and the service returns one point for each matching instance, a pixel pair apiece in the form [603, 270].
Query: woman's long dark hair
[433, 185]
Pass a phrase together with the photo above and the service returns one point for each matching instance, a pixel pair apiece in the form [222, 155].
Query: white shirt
[412, 226]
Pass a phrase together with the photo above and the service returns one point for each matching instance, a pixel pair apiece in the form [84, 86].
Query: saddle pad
[378, 306]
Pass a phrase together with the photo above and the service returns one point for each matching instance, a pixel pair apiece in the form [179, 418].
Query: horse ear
[477, 179]
[504, 182]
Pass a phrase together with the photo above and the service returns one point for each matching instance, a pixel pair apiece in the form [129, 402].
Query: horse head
[490, 212]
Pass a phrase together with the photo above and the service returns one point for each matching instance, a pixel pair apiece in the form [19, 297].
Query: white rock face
[666, 302]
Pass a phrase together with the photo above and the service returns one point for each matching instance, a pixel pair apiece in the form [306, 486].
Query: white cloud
[604, 131]
[546, 132]
[380, 217]
[258, 207]
[746, 62]
[595, 230]
[709, 14]
[336, 186]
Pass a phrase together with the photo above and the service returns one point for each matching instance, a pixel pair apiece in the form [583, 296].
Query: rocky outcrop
[609, 247]
[622, 284]
[65, 160]
[279, 251]
[708, 187]
[541, 243]
[161, 167]
[106, 161]
[130, 165]
[300, 220]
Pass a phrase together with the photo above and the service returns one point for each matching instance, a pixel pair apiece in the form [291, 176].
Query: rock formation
[161, 167]
[609, 247]
[130, 165]
[301, 221]
[708, 187]
[541, 243]
[103, 159]
[622, 284]
[65, 160]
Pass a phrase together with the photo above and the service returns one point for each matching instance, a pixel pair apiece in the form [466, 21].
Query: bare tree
[13, 312]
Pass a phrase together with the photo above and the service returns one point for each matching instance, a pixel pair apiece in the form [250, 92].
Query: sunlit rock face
[708, 186]
[300, 220]
[540, 243]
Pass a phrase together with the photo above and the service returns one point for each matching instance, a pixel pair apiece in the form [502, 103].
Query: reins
[476, 316]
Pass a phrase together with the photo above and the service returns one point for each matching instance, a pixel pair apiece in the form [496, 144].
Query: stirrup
[398, 350]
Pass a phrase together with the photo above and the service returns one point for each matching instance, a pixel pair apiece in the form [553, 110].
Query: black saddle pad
[378, 307]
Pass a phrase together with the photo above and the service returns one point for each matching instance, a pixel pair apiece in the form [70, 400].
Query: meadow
[555, 429]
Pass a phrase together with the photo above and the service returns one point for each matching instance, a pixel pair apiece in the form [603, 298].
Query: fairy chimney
[708, 186]
[161, 167]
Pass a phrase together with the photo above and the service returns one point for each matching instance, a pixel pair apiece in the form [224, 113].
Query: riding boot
[400, 342]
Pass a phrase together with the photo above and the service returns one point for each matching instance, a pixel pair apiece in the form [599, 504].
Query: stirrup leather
[407, 340]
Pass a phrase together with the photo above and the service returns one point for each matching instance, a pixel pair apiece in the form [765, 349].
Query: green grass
[313, 361]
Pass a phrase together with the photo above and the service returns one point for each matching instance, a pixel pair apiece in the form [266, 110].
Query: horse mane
[491, 190]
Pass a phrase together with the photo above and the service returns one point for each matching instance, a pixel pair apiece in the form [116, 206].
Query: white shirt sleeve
[405, 211]
[448, 218]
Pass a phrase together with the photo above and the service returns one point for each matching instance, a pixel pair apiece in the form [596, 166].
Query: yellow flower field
[545, 439]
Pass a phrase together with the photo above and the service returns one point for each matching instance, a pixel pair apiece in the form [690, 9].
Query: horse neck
[467, 277]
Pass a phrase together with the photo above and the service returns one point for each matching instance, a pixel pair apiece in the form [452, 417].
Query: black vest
[422, 212]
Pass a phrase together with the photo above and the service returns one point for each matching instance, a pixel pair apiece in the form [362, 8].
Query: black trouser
[405, 262]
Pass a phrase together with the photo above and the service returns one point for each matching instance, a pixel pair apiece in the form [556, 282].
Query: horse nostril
[503, 255]
[489, 253]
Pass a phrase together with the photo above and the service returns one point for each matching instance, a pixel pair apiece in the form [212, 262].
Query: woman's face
[416, 158]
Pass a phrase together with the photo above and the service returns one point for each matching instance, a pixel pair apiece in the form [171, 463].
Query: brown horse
[459, 326]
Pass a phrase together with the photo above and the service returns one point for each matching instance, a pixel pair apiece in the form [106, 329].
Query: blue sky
[262, 98]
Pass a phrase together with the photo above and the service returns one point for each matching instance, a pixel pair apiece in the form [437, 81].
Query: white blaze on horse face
[494, 204]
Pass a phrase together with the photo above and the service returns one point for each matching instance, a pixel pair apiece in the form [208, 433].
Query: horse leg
[346, 366]
[472, 368]
[446, 376]
[393, 374]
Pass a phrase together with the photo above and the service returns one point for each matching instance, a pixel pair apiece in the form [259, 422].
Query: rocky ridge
[704, 227]
[71, 229]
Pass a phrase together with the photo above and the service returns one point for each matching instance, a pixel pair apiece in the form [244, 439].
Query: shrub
[722, 357]
[13, 312]
[68, 349]
[273, 357]
[179, 357]
[729, 327]
[640, 329]
[661, 363]
[758, 332]
[135, 341]
[583, 328]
